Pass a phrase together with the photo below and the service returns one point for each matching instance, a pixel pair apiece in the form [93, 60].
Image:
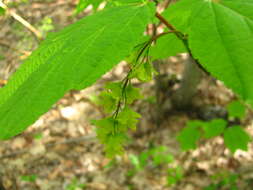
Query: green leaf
[166, 46]
[2, 11]
[144, 72]
[188, 137]
[236, 138]
[236, 109]
[107, 101]
[174, 175]
[221, 38]
[243, 7]
[118, 91]
[73, 58]
[112, 134]
[115, 88]
[132, 94]
[160, 155]
[143, 158]
[29, 178]
[195, 123]
[115, 145]
[128, 117]
[179, 14]
[214, 128]
[135, 161]
[105, 128]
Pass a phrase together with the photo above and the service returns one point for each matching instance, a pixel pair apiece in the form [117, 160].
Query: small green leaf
[109, 133]
[144, 72]
[174, 175]
[135, 161]
[188, 137]
[236, 109]
[115, 88]
[2, 57]
[162, 158]
[195, 123]
[2, 11]
[128, 117]
[236, 138]
[118, 91]
[107, 101]
[115, 145]
[132, 94]
[112, 131]
[214, 128]
[105, 128]
[143, 158]
[29, 178]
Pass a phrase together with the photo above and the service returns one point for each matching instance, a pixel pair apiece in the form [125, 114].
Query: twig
[170, 26]
[181, 37]
[164, 21]
[22, 21]
[72, 140]
[48, 145]
[5, 44]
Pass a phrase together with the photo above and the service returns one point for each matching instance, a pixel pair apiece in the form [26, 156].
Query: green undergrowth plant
[75, 185]
[216, 34]
[2, 11]
[223, 180]
[232, 132]
[46, 25]
[155, 157]
[29, 178]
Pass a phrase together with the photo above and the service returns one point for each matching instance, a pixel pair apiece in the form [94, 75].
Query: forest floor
[60, 151]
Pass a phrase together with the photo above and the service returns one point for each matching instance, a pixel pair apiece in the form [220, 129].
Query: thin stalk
[22, 21]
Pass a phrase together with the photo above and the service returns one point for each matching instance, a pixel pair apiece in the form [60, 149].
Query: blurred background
[60, 151]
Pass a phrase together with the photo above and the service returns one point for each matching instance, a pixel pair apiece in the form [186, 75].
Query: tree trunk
[192, 75]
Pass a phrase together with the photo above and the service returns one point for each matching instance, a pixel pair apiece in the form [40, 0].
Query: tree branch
[25, 23]
[165, 22]
[180, 36]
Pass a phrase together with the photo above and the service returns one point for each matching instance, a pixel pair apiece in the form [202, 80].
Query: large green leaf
[166, 46]
[73, 58]
[222, 40]
[179, 14]
[243, 7]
